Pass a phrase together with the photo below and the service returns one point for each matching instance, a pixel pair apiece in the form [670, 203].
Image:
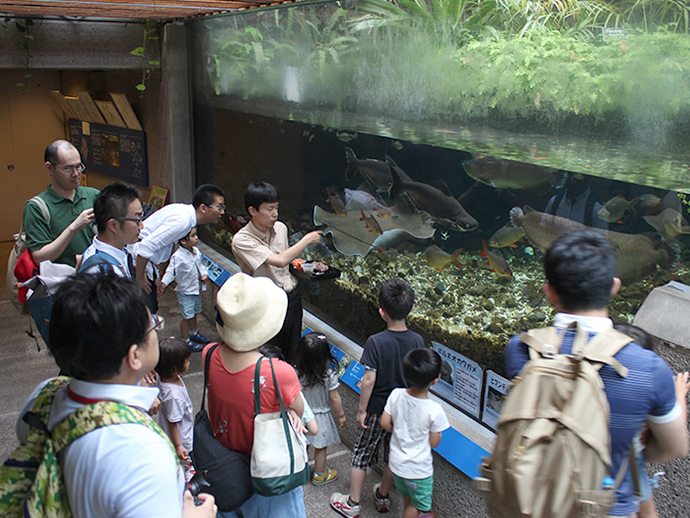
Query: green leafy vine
[148, 52]
[23, 25]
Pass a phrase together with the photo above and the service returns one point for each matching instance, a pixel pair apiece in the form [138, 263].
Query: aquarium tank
[448, 143]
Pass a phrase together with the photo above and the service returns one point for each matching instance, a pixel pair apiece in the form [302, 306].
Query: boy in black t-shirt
[383, 359]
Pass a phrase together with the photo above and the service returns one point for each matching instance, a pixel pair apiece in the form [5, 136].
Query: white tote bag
[279, 461]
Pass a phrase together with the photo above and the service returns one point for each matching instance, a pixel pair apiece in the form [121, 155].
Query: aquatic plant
[461, 20]
[249, 55]
[579, 18]
[650, 15]
[552, 72]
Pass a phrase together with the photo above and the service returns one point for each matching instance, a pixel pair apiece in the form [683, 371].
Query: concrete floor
[23, 367]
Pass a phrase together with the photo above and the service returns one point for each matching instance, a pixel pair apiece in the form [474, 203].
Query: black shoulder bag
[226, 470]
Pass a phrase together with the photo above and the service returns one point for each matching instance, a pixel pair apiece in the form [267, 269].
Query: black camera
[198, 484]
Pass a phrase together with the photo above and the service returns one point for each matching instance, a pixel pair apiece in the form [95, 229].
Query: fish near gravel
[495, 262]
[439, 259]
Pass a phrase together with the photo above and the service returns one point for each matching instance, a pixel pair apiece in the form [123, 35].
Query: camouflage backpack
[553, 445]
[31, 483]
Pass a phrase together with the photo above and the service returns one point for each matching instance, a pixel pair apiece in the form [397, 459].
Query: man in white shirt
[119, 218]
[167, 226]
[103, 335]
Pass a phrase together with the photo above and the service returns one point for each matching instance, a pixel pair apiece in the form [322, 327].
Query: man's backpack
[27, 267]
[553, 446]
[105, 261]
[31, 483]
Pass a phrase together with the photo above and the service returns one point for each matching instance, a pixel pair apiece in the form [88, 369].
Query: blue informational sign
[216, 273]
[117, 152]
[353, 376]
[337, 353]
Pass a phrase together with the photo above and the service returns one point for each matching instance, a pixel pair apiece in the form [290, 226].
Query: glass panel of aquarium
[450, 147]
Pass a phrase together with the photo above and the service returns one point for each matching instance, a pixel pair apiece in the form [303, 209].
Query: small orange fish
[495, 262]
[371, 223]
[438, 259]
[506, 236]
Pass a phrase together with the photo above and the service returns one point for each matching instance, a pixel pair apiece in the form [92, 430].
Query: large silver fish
[510, 174]
[638, 254]
[376, 172]
[440, 205]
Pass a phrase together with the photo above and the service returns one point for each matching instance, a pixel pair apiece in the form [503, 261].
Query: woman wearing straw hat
[251, 311]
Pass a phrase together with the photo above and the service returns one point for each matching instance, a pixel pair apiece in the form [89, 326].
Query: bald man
[69, 231]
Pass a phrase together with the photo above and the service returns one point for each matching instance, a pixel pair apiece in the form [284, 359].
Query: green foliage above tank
[466, 56]
[613, 72]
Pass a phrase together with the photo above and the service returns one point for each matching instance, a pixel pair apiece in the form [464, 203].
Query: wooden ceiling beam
[134, 13]
[209, 5]
[131, 9]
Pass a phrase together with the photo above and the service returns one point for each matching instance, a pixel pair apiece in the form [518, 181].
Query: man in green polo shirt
[69, 231]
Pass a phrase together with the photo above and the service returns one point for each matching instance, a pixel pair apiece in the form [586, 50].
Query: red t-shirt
[231, 398]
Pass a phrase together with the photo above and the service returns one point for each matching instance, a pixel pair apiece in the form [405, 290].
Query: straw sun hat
[251, 311]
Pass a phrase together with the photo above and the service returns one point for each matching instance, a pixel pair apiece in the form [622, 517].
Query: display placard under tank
[451, 149]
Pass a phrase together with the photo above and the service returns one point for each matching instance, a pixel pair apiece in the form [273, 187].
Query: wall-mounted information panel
[117, 152]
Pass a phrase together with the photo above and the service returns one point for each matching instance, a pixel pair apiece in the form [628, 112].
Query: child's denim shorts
[190, 305]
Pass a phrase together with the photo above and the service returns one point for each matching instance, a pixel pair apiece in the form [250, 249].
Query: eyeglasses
[71, 169]
[158, 324]
[137, 220]
[219, 208]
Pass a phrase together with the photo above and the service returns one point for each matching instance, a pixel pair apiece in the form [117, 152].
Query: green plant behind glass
[248, 55]
[148, 52]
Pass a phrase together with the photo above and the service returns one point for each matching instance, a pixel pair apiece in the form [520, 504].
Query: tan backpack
[553, 445]
[19, 248]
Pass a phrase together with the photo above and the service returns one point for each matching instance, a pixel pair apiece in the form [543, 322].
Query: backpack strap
[43, 206]
[589, 206]
[97, 415]
[558, 198]
[40, 412]
[601, 350]
[207, 365]
[543, 342]
[546, 342]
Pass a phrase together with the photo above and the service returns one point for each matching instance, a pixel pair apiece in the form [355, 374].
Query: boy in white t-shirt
[416, 423]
